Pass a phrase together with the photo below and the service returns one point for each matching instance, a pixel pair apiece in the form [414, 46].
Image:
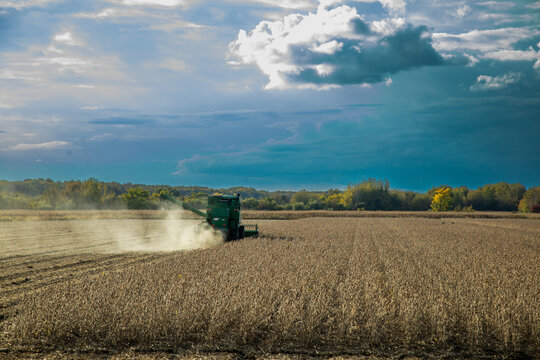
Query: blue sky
[274, 94]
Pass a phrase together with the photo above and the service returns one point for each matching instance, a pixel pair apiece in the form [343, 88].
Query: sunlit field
[380, 286]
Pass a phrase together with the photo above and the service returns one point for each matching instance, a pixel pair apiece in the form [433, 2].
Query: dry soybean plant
[334, 284]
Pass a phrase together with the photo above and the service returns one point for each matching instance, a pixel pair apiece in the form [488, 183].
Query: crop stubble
[334, 284]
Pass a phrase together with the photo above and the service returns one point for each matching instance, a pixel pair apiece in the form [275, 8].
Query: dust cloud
[95, 235]
[171, 234]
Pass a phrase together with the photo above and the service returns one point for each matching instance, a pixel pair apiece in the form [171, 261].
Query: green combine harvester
[222, 214]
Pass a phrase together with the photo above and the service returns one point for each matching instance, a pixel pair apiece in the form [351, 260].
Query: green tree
[332, 200]
[459, 195]
[268, 204]
[94, 192]
[304, 196]
[163, 190]
[531, 200]
[280, 197]
[73, 194]
[250, 203]
[371, 194]
[299, 206]
[138, 198]
[500, 197]
[52, 196]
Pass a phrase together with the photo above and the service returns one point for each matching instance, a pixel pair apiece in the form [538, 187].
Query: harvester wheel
[241, 232]
[233, 235]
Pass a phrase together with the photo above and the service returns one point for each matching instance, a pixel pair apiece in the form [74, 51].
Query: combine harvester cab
[222, 214]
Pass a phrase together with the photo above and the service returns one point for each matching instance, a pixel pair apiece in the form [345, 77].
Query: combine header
[222, 214]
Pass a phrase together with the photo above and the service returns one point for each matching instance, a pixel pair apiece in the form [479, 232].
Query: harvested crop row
[293, 215]
[337, 285]
[7, 216]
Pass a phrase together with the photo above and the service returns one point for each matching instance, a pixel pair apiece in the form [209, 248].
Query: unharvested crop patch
[334, 285]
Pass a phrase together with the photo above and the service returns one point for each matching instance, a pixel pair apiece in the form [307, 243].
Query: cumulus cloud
[331, 47]
[485, 82]
[43, 146]
[495, 44]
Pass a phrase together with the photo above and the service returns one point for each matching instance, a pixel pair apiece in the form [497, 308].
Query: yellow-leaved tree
[442, 199]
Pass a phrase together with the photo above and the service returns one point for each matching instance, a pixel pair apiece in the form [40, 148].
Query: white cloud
[50, 61]
[536, 5]
[157, 19]
[303, 50]
[496, 44]
[482, 40]
[284, 4]
[60, 69]
[472, 60]
[327, 48]
[268, 45]
[287, 4]
[105, 13]
[21, 4]
[462, 10]
[65, 38]
[386, 27]
[516, 55]
[324, 69]
[500, 18]
[485, 82]
[43, 146]
[513, 55]
[497, 5]
[170, 3]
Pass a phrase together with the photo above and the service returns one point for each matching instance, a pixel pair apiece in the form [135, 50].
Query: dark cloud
[122, 121]
[408, 48]
[317, 112]
[363, 105]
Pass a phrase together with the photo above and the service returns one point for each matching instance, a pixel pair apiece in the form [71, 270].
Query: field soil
[51, 215]
[345, 287]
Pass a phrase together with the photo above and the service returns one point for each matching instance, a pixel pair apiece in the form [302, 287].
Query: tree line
[370, 194]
